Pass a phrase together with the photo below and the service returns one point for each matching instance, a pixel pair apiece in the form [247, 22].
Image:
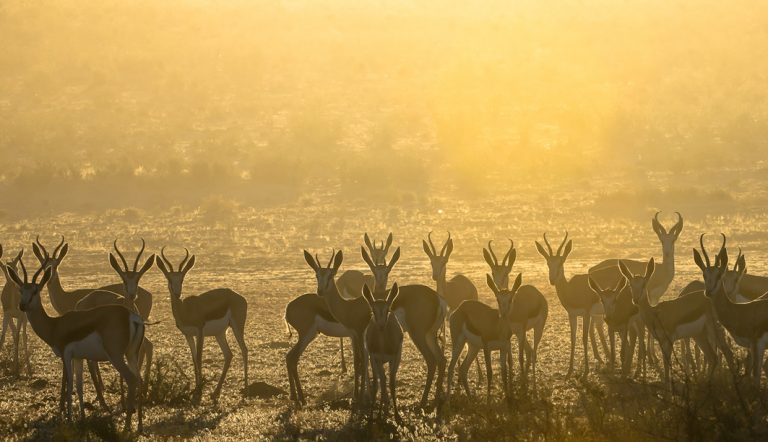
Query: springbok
[576, 298]
[745, 322]
[459, 288]
[481, 326]
[418, 308]
[13, 317]
[384, 343]
[687, 317]
[64, 301]
[108, 333]
[607, 274]
[622, 317]
[351, 282]
[210, 313]
[130, 279]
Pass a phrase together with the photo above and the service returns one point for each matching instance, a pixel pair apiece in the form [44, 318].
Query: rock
[263, 390]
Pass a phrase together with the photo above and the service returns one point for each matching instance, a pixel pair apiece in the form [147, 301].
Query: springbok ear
[46, 277]
[147, 265]
[620, 285]
[20, 255]
[367, 258]
[115, 265]
[449, 249]
[625, 271]
[395, 258]
[38, 253]
[657, 227]
[13, 275]
[594, 285]
[697, 259]
[568, 248]
[512, 258]
[518, 283]
[650, 268]
[389, 243]
[161, 265]
[541, 250]
[488, 258]
[63, 252]
[393, 292]
[367, 240]
[188, 266]
[311, 260]
[491, 284]
[367, 295]
[426, 248]
[723, 255]
[337, 260]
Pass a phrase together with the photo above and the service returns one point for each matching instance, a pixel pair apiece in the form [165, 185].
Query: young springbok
[384, 343]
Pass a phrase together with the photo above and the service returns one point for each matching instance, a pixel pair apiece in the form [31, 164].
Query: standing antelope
[210, 313]
[607, 273]
[746, 322]
[418, 308]
[459, 288]
[384, 343]
[480, 326]
[130, 279]
[13, 317]
[687, 317]
[64, 301]
[622, 317]
[108, 333]
[351, 282]
[577, 299]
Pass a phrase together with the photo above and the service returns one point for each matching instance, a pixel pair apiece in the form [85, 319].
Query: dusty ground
[259, 256]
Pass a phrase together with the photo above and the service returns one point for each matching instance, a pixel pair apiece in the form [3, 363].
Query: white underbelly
[330, 328]
[91, 347]
[214, 327]
[690, 329]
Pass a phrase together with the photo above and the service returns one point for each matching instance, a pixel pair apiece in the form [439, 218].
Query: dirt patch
[263, 390]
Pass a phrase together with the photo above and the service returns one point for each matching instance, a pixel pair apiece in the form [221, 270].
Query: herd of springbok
[108, 324]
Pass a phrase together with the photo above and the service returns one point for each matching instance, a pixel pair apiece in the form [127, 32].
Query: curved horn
[136, 263]
[549, 247]
[58, 247]
[446, 244]
[509, 252]
[560, 249]
[24, 271]
[165, 259]
[493, 254]
[120, 254]
[42, 247]
[431, 244]
[186, 257]
[37, 273]
[738, 258]
[704, 251]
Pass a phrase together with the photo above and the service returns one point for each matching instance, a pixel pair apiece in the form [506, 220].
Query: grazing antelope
[130, 279]
[745, 322]
[577, 299]
[459, 288]
[480, 326]
[607, 273]
[210, 313]
[384, 343]
[64, 301]
[108, 333]
[622, 317]
[418, 308]
[687, 317]
[13, 317]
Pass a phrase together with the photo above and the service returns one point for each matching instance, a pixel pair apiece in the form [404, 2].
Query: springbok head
[555, 261]
[638, 284]
[325, 275]
[29, 290]
[175, 278]
[608, 296]
[712, 273]
[504, 296]
[378, 254]
[50, 260]
[667, 238]
[380, 308]
[131, 277]
[500, 271]
[439, 261]
[380, 269]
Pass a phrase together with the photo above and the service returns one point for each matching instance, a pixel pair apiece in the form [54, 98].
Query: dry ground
[259, 256]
